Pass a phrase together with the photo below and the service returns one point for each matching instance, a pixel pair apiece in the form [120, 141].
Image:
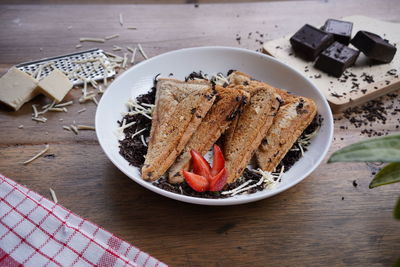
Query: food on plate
[206, 178]
[340, 29]
[336, 58]
[17, 88]
[229, 102]
[291, 120]
[179, 109]
[309, 42]
[374, 46]
[250, 126]
[181, 121]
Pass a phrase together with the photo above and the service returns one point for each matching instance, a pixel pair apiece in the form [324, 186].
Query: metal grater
[96, 70]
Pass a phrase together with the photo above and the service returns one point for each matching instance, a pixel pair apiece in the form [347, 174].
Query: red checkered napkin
[35, 231]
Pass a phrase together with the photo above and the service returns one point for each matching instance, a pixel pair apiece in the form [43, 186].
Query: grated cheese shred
[142, 139]
[121, 20]
[86, 127]
[37, 155]
[112, 36]
[60, 105]
[53, 195]
[74, 129]
[88, 39]
[142, 51]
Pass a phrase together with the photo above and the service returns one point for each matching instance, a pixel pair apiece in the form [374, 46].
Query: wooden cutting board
[354, 86]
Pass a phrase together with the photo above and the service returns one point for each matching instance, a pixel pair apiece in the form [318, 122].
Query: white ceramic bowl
[211, 60]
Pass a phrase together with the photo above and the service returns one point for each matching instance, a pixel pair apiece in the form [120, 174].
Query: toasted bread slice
[246, 133]
[179, 109]
[290, 122]
[227, 105]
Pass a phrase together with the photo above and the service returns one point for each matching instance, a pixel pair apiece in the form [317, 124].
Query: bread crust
[246, 133]
[290, 122]
[228, 104]
[173, 122]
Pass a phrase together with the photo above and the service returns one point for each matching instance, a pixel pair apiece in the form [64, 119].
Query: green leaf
[383, 149]
[397, 263]
[387, 175]
[396, 213]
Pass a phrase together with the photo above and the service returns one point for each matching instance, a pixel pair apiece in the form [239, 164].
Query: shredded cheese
[74, 129]
[100, 88]
[83, 99]
[125, 60]
[35, 112]
[133, 56]
[39, 73]
[236, 189]
[131, 28]
[142, 51]
[112, 36]
[37, 155]
[86, 127]
[124, 126]
[138, 132]
[60, 105]
[57, 109]
[88, 39]
[95, 100]
[142, 139]
[40, 119]
[48, 106]
[78, 46]
[67, 128]
[81, 110]
[121, 20]
[21, 126]
[267, 178]
[53, 195]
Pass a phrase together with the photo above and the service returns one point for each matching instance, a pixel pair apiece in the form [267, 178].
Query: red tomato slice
[218, 162]
[218, 181]
[197, 182]
[200, 164]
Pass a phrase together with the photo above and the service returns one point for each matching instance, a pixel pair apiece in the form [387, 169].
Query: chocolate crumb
[355, 183]
[336, 95]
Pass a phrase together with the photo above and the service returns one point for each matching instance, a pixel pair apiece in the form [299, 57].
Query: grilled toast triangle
[179, 109]
[247, 131]
[292, 119]
[227, 105]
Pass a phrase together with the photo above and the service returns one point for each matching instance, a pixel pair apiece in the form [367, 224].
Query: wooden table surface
[310, 224]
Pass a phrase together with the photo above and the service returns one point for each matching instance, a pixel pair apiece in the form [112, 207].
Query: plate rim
[220, 201]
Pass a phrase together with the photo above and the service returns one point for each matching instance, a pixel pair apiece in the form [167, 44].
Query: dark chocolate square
[340, 29]
[374, 46]
[336, 58]
[308, 42]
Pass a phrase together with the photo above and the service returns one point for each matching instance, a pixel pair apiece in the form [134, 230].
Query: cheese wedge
[55, 85]
[17, 88]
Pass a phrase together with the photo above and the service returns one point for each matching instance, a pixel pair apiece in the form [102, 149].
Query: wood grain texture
[308, 225]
